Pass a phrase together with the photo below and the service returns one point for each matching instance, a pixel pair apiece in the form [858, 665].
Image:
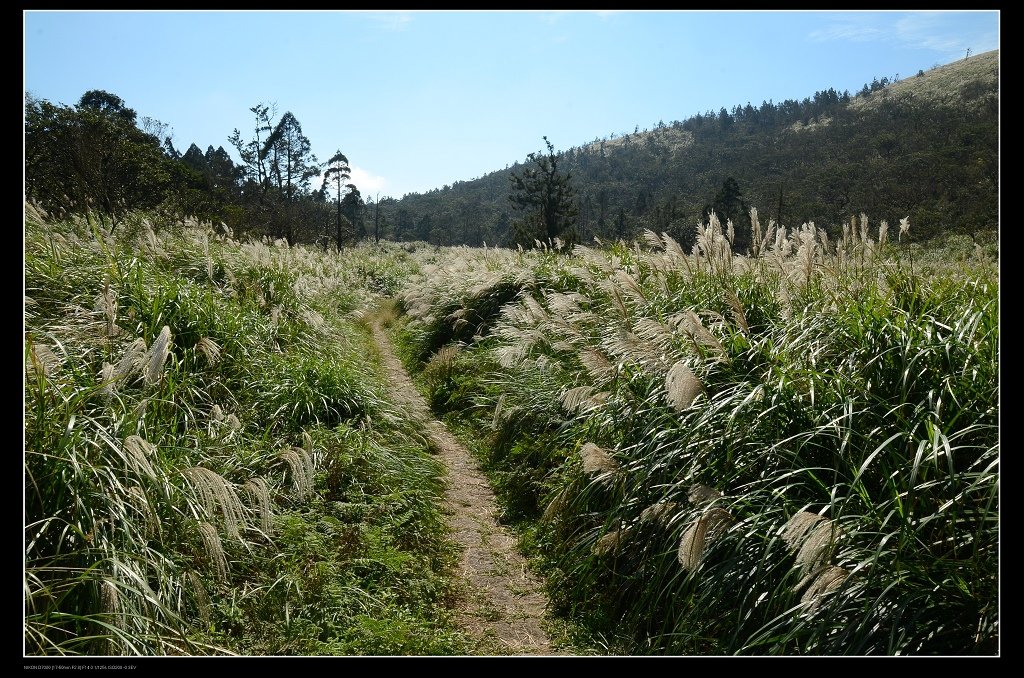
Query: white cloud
[925, 30]
[552, 17]
[846, 31]
[937, 31]
[390, 20]
[368, 183]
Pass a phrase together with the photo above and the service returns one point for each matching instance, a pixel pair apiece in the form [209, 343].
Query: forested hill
[923, 146]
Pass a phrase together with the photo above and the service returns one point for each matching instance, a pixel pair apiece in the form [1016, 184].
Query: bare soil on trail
[505, 604]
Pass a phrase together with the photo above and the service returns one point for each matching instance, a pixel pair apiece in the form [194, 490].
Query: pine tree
[547, 198]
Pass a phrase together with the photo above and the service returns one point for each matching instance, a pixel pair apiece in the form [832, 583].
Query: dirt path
[505, 603]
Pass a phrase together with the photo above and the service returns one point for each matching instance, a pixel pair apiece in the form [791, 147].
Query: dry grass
[682, 386]
[597, 460]
[699, 534]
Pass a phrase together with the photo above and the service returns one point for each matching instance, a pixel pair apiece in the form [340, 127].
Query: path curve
[505, 604]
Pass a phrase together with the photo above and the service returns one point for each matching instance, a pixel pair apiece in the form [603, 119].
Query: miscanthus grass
[790, 450]
[211, 464]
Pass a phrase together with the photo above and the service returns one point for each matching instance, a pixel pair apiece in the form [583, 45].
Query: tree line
[99, 157]
[888, 152]
[824, 159]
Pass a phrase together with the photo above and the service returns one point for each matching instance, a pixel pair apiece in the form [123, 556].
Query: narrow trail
[505, 604]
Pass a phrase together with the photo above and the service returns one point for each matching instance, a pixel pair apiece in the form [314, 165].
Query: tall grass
[853, 381]
[211, 463]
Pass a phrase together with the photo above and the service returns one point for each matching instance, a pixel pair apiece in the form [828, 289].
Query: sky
[421, 99]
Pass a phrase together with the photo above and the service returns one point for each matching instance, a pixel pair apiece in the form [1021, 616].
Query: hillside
[924, 146]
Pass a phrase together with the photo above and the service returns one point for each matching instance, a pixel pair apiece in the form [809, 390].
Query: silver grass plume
[660, 512]
[577, 399]
[138, 453]
[140, 502]
[441, 363]
[511, 355]
[499, 411]
[43, 360]
[797, 527]
[864, 229]
[826, 247]
[106, 303]
[904, 227]
[690, 323]
[783, 245]
[307, 459]
[150, 236]
[755, 231]
[682, 386]
[555, 506]
[825, 581]
[700, 244]
[199, 595]
[258, 489]
[818, 546]
[652, 239]
[139, 411]
[157, 355]
[596, 460]
[696, 329]
[564, 346]
[883, 231]
[232, 422]
[628, 284]
[214, 550]
[737, 310]
[699, 534]
[597, 365]
[216, 413]
[610, 542]
[730, 232]
[299, 464]
[108, 375]
[35, 212]
[785, 300]
[210, 350]
[631, 348]
[673, 248]
[110, 600]
[702, 494]
[232, 282]
[314, 320]
[582, 272]
[215, 492]
[655, 332]
[808, 246]
[110, 604]
[566, 304]
[617, 301]
[206, 256]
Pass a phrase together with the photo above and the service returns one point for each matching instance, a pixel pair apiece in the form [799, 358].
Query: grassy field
[790, 453]
[212, 464]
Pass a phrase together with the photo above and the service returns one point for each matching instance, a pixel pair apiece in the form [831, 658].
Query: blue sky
[419, 99]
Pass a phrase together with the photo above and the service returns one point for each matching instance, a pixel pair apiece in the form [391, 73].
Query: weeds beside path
[505, 605]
